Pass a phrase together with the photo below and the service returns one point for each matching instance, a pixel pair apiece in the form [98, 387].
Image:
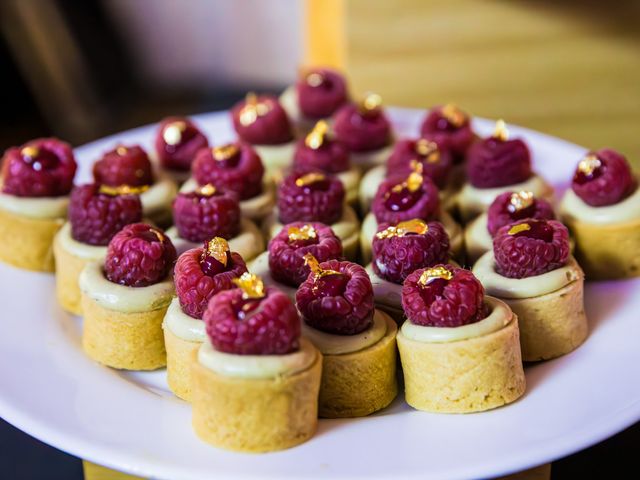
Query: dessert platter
[312, 286]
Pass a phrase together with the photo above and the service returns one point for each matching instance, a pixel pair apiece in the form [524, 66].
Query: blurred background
[82, 70]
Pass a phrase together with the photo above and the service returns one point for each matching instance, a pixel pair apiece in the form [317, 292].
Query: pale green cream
[182, 325]
[260, 267]
[275, 157]
[43, 208]
[627, 210]
[385, 292]
[372, 158]
[79, 249]
[159, 195]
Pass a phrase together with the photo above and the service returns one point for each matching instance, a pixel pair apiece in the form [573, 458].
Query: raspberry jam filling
[326, 283]
[178, 133]
[404, 195]
[261, 120]
[521, 205]
[39, 158]
[216, 257]
[432, 283]
[363, 126]
[321, 92]
[402, 229]
[450, 118]
[253, 292]
[124, 166]
[313, 182]
[536, 229]
[226, 156]
[303, 236]
[320, 150]
[589, 168]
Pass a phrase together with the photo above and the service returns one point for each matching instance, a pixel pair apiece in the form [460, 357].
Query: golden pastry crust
[255, 415]
[360, 383]
[465, 376]
[551, 325]
[180, 354]
[123, 340]
[606, 251]
[28, 242]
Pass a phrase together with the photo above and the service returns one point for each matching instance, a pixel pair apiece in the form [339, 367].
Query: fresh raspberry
[124, 166]
[341, 302]
[265, 326]
[493, 162]
[310, 197]
[362, 131]
[234, 167]
[195, 288]
[330, 157]
[450, 128]
[443, 296]
[96, 217]
[603, 178]
[321, 91]
[261, 120]
[436, 163]
[177, 141]
[44, 167]
[398, 251]
[139, 255]
[288, 248]
[509, 207]
[206, 213]
[530, 247]
[396, 202]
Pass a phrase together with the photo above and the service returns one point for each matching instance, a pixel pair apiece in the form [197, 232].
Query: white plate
[131, 422]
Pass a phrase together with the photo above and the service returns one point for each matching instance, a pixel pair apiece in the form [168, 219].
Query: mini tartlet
[207, 212]
[94, 218]
[261, 121]
[602, 211]
[508, 207]
[365, 129]
[357, 341]
[284, 266]
[199, 274]
[125, 299]
[531, 270]
[495, 165]
[177, 141]
[316, 95]
[460, 350]
[255, 381]
[35, 184]
[313, 196]
[127, 169]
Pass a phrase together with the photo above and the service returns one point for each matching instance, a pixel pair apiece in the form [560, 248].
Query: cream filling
[499, 317]
[79, 249]
[159, 195]
[182, 325]
[43, 208]
[255, 208]
[332, 344]
[479, 199]
[257, 366]
[373, 158]
[260, 267]
[350, 179]
[122, 298]
[477, 234]
[275, 157]
[503, 287]
[627, 210]
[248, 243]
[385, 292]
[289, 102]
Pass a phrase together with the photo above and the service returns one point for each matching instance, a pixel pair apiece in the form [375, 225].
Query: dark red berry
[248, 326]
[495, 162]
[319, 151]
[261, 120]
[288, 248]
[603, 178]
[530, 247]
[177, 141]
[362, 129]
[409, 154]
[321, 91]
[450, 128]
[405, 197]
[310, 196]
[338, 300]
[44, 167]
[510, 207]
[443, 296]
[139, 255]
[206, 213]
[96, 217]
[235, 167]
[124, 166]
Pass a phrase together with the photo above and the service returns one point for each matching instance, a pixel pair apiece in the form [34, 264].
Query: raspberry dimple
[286, 254]
[321, 91]
[503, 210]
[177, 141]
[139, 255]
[395, 201]
[443, 296]
[201, 214]
[124, 165]
[494, 162]
[44, 167]
[261, 120]
[341, 303]
[310, 196]
[436, 163]
[195, 288]
[331, 157]
[265, 326]
[530, 247]
[235, 167]
[450, 128]
[362, 132]
[96, 217]
[603, 178]
[396, 256]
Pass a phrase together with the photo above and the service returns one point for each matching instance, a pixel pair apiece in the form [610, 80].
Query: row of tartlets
[264, 342]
